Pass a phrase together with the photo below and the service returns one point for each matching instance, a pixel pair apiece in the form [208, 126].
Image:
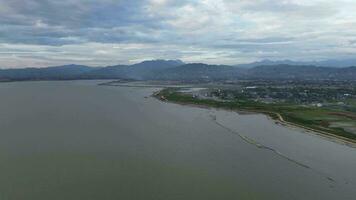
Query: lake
[76, 140]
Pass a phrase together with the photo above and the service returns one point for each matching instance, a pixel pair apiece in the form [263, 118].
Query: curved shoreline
[280, 120]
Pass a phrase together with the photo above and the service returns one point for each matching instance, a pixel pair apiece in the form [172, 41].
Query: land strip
[284, 114]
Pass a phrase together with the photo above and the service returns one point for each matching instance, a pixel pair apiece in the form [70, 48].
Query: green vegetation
[315, 118]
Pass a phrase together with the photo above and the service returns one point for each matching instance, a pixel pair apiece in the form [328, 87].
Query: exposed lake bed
[78, 140]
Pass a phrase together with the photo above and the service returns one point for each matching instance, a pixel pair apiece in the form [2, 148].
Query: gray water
[76, 140]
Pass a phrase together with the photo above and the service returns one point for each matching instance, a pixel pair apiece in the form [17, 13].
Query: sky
[37, 33]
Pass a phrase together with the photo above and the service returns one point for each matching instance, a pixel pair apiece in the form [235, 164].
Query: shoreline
[279, 120]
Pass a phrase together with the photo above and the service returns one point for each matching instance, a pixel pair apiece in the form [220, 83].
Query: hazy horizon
[318, 63]
[101, 33]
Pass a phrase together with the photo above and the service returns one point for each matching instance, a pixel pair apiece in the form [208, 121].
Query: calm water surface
[76, 140]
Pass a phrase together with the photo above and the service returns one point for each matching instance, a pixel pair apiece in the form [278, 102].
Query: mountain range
[323, 63]
[178, 70]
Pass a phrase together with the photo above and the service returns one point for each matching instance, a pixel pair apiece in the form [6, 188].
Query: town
[317, 93]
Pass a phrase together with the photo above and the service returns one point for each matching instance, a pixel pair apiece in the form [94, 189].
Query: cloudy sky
[105, 32]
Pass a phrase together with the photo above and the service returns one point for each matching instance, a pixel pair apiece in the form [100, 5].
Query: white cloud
[109, 32]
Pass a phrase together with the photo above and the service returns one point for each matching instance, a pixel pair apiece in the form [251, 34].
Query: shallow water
[76, 140]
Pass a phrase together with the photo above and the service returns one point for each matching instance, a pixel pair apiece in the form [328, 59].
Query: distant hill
[200, 71]
[336, 63]
[139, 71]
[301, 72]
[325, 63]
[58, 72]
[150, 69]
[177, 70]
[110, 72]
